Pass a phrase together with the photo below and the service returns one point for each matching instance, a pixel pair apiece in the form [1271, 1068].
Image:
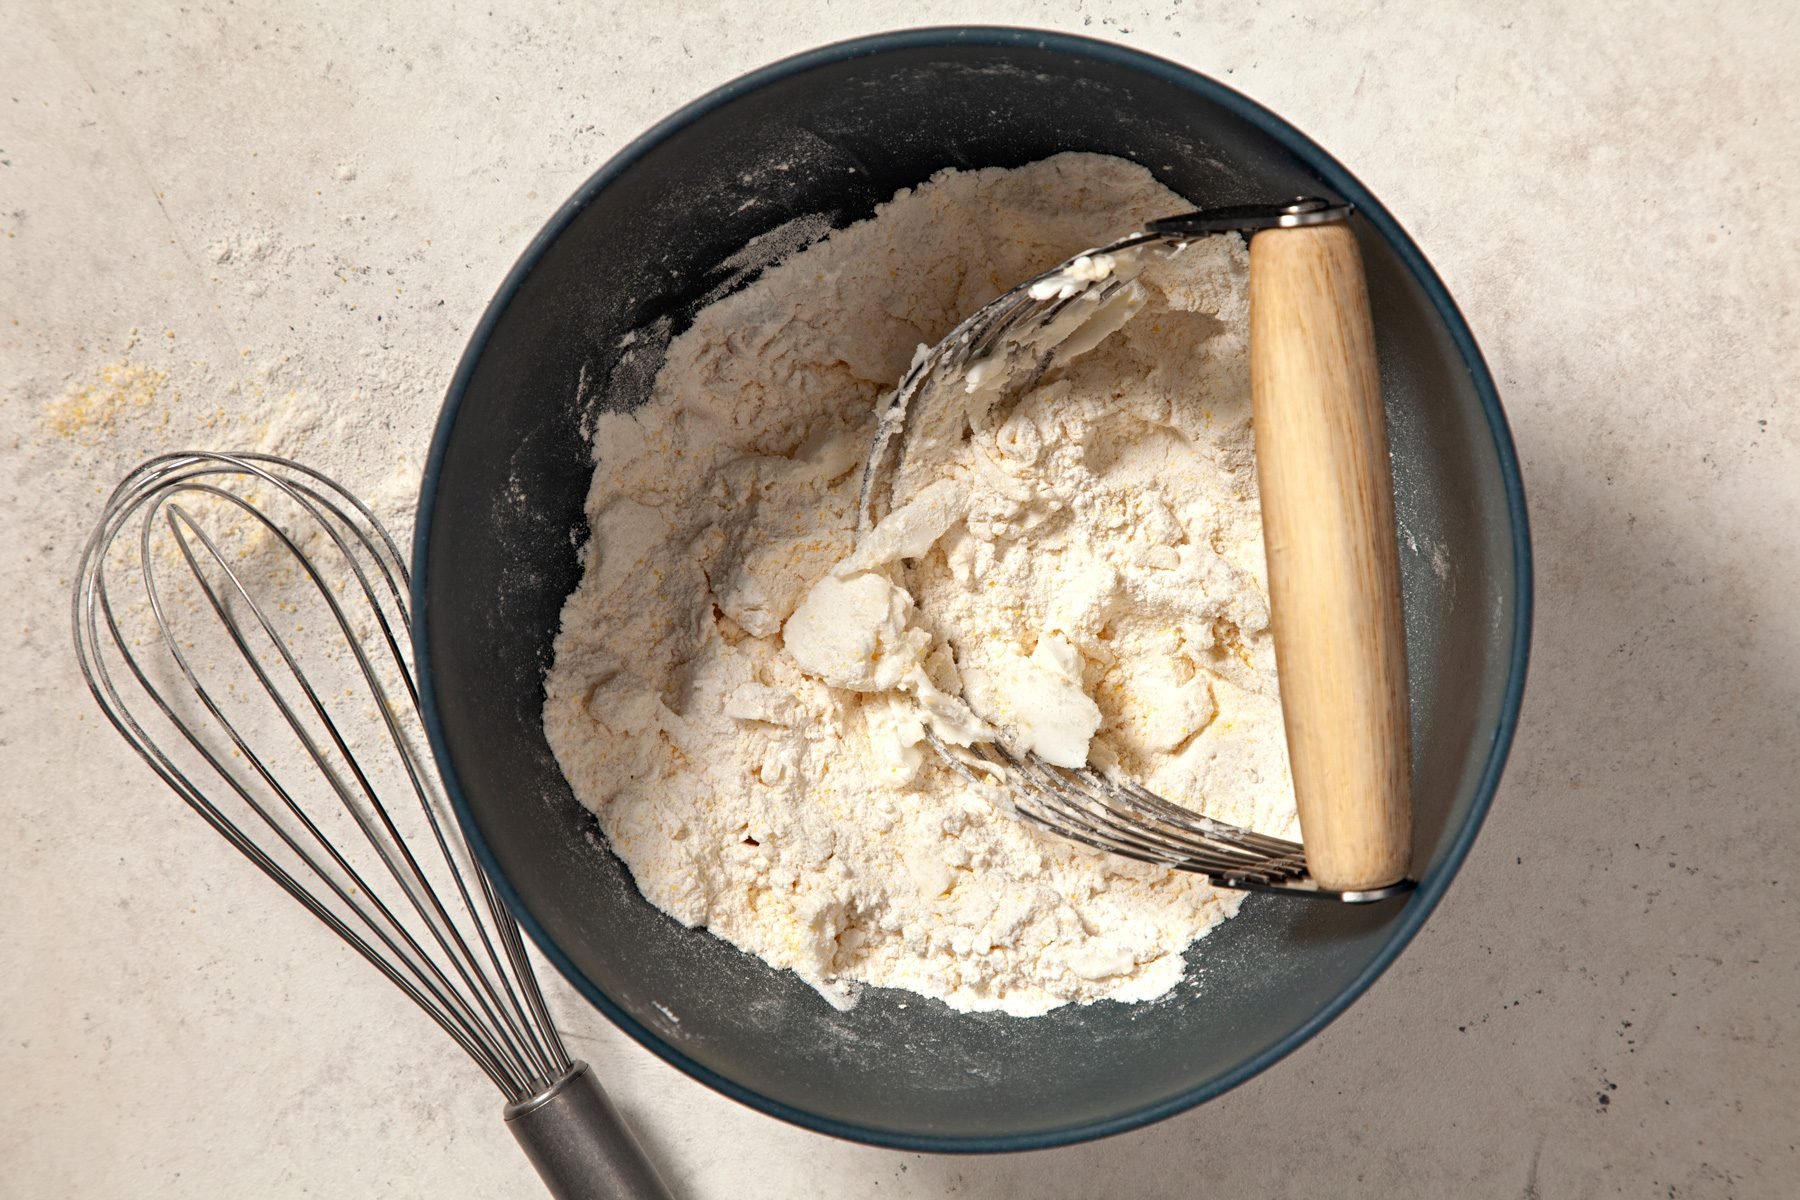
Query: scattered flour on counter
[740, 690]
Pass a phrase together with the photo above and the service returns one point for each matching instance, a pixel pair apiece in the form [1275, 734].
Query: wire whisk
[244, 622]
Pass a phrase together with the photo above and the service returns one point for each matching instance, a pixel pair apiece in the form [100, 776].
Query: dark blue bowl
[839, 130]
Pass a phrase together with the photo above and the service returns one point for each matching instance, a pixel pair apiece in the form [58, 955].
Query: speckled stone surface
[321, 201]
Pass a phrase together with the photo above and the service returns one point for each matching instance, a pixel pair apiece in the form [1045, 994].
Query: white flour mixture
[741, 706]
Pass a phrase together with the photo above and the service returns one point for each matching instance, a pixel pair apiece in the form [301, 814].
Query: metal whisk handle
[580, 1145]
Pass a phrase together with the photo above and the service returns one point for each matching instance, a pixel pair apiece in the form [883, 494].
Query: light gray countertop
[234, 213]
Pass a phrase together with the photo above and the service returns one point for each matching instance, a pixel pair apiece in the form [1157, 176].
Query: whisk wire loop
[455, 952]
[392, 849]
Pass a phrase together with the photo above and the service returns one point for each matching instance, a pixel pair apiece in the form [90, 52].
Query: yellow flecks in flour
[94, 406]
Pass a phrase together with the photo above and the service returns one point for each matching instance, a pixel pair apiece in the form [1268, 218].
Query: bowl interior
[837, 132]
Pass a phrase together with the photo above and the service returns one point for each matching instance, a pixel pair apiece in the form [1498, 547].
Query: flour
[740, 689]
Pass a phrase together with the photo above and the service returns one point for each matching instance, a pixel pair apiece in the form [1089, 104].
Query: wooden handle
[1334, 569]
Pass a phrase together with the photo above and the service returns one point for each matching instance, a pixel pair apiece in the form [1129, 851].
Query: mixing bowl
[837, 131]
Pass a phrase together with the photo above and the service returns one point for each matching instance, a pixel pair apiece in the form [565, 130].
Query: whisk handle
[1334, 572]
[580, 1145]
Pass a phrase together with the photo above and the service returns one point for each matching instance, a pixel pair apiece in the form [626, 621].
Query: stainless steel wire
[997, 327]
[244, 623]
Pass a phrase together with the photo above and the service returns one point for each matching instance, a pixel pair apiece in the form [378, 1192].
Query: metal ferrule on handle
[580, 1145]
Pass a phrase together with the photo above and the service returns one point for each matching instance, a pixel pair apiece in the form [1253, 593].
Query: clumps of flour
[739, 689]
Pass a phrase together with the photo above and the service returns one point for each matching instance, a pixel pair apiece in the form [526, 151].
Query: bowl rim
[1432, 885]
